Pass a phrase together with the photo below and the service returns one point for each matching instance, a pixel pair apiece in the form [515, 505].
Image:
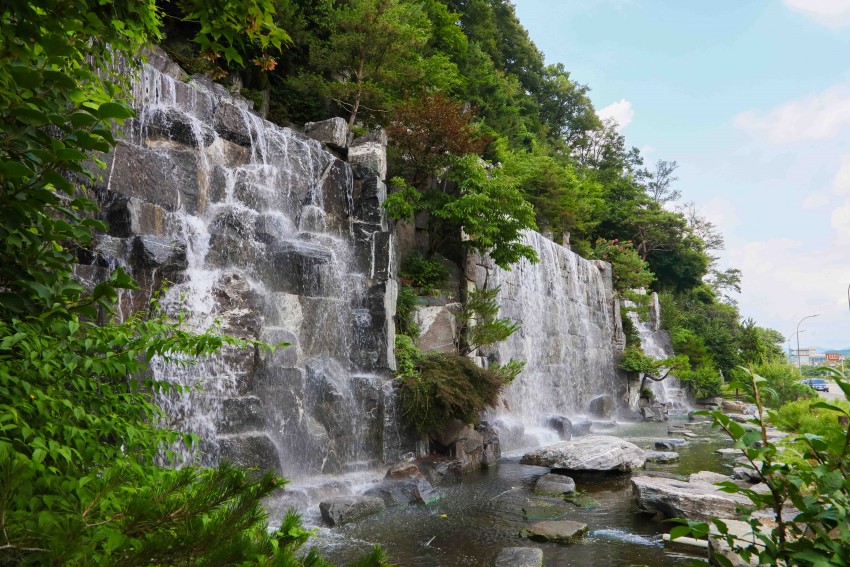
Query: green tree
[373, 53]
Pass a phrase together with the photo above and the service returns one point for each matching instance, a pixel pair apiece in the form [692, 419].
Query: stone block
[151, 253]
[233, 124]
[554, 485]
[294, 267]
[437, 327]
[176, 126]
[601, 406]
[250, 451]
[346, 509]
[242, 415]
[369, 198]
[369, 158]
[562, 425]
[333, 132]
[160, 177]
[556, 531]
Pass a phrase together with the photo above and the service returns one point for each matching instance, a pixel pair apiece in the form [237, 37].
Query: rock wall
[269, 234]
[571, 334]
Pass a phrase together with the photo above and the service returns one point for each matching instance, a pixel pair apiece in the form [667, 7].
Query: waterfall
[260, 232]
[655, 343]
[567, 338]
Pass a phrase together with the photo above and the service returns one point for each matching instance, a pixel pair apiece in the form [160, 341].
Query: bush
[806, 416]
[480, 321]
[446, 387]
[404, 310]
[782, 384]
[430, 274]
[704, 381]
[816, 483]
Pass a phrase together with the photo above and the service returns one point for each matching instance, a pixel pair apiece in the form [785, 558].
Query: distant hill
[842, 352]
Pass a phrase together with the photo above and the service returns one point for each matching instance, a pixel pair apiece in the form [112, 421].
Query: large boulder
[589, 453]
[674, 498]
[404, 486]
[562, 425]
[520, 557]
[344, 509]
[492, 445]
[333, 132]
[558, 531]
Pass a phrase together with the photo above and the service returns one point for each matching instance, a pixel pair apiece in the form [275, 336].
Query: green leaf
[114, 110]
[16, 169]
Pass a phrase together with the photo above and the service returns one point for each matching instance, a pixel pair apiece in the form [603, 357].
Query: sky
[752, 99]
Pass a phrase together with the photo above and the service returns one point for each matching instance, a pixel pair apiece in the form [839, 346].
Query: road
[834, 393]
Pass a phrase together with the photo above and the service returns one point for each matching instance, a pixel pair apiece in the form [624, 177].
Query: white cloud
[722, 213]
[831, 13]
[816, 201]
[785, 280]
[841, 182]
[815, 117]
[621, 112]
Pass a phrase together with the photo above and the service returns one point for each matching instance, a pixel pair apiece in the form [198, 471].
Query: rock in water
[690, 500]
[590, 453]
[601, 406]
[520, 557]
[554, 485]
[662, 456]
[558, 531]
[344, 509]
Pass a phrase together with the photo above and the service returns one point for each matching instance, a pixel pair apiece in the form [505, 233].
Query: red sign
[833, 356]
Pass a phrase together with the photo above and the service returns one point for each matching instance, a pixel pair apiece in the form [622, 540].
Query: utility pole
[799, 365]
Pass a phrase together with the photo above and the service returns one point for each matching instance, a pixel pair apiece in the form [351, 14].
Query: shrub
[806, 416]
[405, 308]
[430, 274]
[446, 387]
[480, 321]
[816, 483]
[704, 380]
[782, 384]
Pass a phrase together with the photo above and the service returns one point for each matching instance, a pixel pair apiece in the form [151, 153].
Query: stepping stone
[670, 444]
[520, 557]
[557, 531]
[661, 456]
[554, 485]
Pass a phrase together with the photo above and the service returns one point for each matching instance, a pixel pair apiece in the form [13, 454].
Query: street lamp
[799, 366]
[791, 336]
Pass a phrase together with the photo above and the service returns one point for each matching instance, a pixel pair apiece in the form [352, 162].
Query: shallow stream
[475, 519]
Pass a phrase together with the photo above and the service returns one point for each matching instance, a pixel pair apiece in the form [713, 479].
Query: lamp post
[791, 336]
[799, 366]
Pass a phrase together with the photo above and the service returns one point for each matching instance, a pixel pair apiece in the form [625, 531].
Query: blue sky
[752, 99]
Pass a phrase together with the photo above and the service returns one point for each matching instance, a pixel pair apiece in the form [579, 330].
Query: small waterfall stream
[567, 339]
[656, 344]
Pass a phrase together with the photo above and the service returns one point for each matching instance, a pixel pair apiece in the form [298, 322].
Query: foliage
[782, 383]
[478, 199]
[81, 450]
[758, 344]
[447, 387]
[427, 132]
[817, 485]
[703, 380]
[429, 274]
[405, 308]
[629, 329]
[480, 321]
[630, 271]
[407, 357]
[806, 416]
[373, 52]
[230, 28]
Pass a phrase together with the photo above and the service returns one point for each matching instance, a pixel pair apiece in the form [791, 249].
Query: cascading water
[655, 343]
[567, 337]
[256, 230]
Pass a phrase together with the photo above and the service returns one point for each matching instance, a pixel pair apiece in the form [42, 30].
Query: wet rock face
[261, 232]
[520, 557]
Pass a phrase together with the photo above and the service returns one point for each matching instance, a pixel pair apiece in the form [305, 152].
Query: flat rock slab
[729, 451]
[661, 456]
[557, 531]
[520, 557]
[554, 485]
[708, 477]
[690, 500]
[589, 453]
[345, 509]
[683, 433]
